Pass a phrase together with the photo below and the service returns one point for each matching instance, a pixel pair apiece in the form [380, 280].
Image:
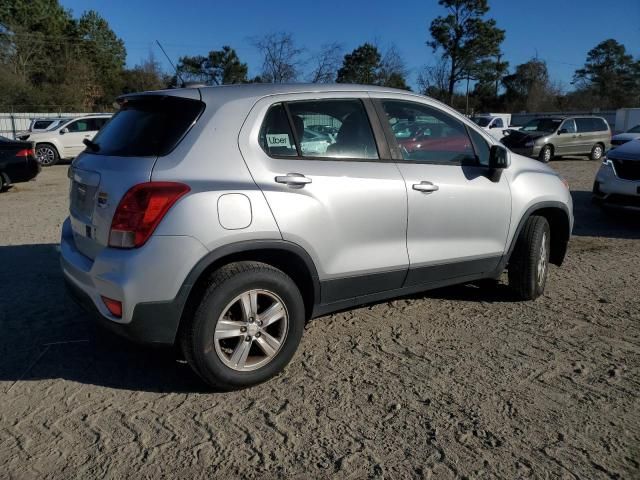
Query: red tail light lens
[26, 152]
[114, 306]
[141, 210]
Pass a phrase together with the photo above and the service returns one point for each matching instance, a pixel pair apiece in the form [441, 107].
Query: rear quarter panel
[209, 160]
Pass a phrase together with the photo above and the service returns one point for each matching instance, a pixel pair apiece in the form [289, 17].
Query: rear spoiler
[191, 93]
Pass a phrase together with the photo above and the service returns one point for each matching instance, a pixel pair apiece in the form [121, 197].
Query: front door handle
[293, 179]
[426, 187]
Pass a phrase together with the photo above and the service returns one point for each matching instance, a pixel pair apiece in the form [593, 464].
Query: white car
[493, 123]
[65, 141]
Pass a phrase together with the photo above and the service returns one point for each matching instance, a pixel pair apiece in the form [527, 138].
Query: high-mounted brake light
[26, 152]
[141, 210]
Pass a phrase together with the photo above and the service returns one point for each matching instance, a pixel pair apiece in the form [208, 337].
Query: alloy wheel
[45, 155]
[251, 330]
[542, 260]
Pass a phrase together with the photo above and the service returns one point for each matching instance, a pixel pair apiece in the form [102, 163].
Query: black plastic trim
[340, 288]
[446, 271]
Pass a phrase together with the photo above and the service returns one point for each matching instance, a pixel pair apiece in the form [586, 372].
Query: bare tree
[433, 80]
[281, 57]
[326, 63]
[393, 70]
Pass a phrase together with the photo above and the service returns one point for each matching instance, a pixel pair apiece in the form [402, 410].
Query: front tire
[47, 154]
[546, 154]
[529, 262]
[246, 328]
[596, 152]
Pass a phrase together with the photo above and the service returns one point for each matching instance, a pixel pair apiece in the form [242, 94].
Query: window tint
[276, 138]
[333, 129]
[591, 125]
[42, 124]
[79, 126]
[569, 125]
[426, 134]
[146, 127]
[481, 147]
[498, 123]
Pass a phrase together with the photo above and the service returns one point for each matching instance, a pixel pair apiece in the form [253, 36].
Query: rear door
[344, 202]
[586, 136]
[72, 140]
[459, 211]
[128, 146]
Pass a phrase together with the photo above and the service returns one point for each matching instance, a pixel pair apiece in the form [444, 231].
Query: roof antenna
[178, 77]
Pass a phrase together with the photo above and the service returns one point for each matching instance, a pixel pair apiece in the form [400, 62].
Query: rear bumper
[154, 323]
[149, 281]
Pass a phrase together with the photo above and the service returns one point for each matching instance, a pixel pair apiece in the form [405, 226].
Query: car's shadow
[44, 335]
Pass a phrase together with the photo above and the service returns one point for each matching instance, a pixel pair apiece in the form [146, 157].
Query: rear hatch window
[147, 127]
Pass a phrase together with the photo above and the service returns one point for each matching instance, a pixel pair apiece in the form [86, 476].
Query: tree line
[50, 60]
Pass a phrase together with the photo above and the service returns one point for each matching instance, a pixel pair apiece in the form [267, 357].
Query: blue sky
[558, 31]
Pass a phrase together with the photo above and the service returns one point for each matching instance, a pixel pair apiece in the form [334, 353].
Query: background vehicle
[622, 138]
[42, 124]
[65, 141]
[17, 162]
[493, 123]
[626, 118]
[617, 182]
[224, 232]
[545, 138]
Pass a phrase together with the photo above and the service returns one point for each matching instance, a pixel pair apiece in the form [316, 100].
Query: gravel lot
[463, 382]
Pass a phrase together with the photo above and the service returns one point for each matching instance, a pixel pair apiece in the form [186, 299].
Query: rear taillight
[26, 152]
[114, 306]
[141, 210]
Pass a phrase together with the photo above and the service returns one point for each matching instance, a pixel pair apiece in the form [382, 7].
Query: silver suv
[204, 217]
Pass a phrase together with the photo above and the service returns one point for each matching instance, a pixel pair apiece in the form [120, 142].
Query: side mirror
[498, 157]
[64, 130]
[562, 131]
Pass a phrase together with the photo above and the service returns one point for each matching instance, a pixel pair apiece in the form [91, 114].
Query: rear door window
[276, 138]
[352, 137]
[148, 126]
[584, 125]
[79, 126]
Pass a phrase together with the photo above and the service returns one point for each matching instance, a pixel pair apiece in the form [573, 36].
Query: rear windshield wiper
[94, 147]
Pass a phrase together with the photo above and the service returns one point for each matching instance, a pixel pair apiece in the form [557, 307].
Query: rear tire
[231, 341]
[47, 154]
[529, 262]
[546, 154]
[3, 182]
[596, 152]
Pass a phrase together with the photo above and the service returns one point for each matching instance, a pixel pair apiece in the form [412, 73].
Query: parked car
[622, 138]
[494, 123]
[546, 138]
[617, 182]
[42, 125]
[65, 141]
[17, 162]
[221, 235]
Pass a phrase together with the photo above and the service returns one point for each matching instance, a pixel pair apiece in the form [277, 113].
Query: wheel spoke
[240, 354]
[268, 344]
[228, 329]
[274, 313]
[249, 302]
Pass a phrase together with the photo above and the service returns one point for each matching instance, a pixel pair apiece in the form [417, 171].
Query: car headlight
[606, 162]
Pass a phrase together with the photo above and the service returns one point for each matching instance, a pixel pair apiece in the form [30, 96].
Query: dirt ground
[464, 382]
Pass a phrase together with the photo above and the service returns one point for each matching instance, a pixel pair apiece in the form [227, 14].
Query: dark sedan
[17, 162]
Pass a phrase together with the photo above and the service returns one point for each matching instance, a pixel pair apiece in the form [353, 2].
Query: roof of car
[258, 90]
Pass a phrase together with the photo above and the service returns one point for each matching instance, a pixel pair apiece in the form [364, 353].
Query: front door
[72, 140]
[459, 211]
[332, 188]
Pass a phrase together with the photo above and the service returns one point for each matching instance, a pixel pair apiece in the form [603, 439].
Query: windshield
[542, 125]
[481, 121]
[635, 129]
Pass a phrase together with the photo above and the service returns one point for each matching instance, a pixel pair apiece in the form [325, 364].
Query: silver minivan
[548, 137]
[204, 217]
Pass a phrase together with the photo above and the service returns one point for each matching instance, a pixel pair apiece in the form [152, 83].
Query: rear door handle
[293, 179]
[426, 187]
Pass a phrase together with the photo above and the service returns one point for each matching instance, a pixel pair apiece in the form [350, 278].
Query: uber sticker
[278, 140]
